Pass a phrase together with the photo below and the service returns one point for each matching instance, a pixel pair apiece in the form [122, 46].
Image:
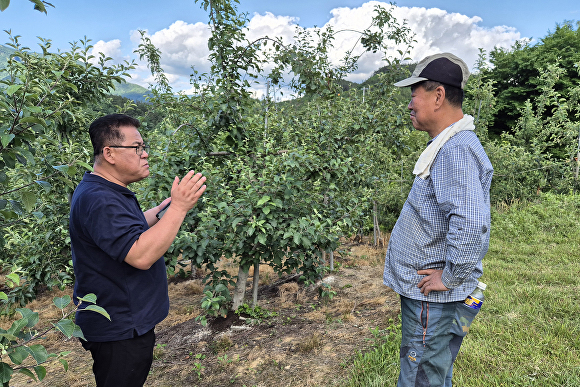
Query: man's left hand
[432, 281]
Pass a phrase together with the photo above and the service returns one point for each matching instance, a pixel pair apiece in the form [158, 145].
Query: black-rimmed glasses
[138, 148]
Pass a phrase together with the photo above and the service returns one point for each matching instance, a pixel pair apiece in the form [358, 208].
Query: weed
[311, 343]
[159, 351]
[224, 360]
[326, 293]
[198, 369]
[256, 314]
[222, 344]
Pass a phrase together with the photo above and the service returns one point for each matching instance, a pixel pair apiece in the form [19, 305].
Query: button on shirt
[444, 224]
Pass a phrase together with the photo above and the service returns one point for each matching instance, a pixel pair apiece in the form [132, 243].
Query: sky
[179, 27]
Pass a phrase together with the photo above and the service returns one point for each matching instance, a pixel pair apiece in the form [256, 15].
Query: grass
[528, 331]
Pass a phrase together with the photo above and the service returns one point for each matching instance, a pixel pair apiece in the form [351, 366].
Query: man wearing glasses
[117, 251]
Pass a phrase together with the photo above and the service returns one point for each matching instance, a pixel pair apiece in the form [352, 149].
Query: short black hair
[104, 131]
[453, 95]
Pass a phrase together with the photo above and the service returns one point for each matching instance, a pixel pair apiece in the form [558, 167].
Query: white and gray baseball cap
[445, 68]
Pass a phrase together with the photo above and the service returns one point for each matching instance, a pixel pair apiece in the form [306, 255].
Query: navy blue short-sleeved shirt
[105, 221]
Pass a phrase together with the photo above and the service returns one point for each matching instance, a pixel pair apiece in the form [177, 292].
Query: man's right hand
[154, 242]
[186, 193]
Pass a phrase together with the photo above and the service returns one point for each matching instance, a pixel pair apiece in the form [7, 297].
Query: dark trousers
[123, 363]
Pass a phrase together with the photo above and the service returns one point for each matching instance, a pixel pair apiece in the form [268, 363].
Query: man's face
[129, 166]
[422, 107]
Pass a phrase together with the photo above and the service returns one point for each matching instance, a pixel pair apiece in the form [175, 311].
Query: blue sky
[178, 27]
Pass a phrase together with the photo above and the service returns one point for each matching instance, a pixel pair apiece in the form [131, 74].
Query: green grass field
[528, 331]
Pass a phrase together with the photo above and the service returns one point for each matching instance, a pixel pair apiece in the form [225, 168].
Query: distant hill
[132, 91]
[128, 90]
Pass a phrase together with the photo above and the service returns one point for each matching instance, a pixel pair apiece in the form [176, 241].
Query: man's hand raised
[186, 193]
[154, 242]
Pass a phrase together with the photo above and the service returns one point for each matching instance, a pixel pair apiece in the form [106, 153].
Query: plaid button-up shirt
[444, 224]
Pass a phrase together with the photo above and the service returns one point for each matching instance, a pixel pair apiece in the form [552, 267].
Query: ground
[311, 341]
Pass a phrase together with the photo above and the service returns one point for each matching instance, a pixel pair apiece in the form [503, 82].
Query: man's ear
[107, 156]
[439, 95]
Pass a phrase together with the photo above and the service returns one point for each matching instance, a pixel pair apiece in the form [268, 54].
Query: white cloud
[440, 31]
[111, 49]
[435, 31]
[184, 45]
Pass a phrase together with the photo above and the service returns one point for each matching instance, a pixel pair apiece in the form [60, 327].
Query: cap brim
[410, 81]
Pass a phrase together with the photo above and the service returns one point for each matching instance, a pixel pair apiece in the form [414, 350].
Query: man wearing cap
[442, 234]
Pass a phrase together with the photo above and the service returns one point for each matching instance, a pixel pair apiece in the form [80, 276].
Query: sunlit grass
[528, 332]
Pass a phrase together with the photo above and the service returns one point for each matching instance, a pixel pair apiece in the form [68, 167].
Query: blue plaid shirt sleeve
[461, 197]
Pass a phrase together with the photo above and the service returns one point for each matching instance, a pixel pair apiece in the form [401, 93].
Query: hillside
[131, 90]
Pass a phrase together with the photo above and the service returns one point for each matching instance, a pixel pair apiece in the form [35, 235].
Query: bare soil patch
[310, 342]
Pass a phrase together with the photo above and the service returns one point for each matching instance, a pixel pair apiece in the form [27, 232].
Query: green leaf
[266, 210]
[264, 199]
[39, 5]
[64, 364]
[9, 336]
[28, 373]
[40, 372]
[86, 165]
[5, 372]
[99, 310]
[38, 352]
[78, 332]
[296, 238]
[30, 316]
[61, 168]
[91, 297]
[6, 138]
[12, 89]
[236, 221]
[4, 4]
[18, 355]
[14, 278]
[72, 170]
[21, 159]
[61, 302]
[67, 327]
[3, 296]
[44, 184]
[17, 326]
[29, 200]
[16, 206]
[32, 120]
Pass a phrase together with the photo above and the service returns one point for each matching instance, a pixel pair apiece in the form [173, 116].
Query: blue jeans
[431, 337]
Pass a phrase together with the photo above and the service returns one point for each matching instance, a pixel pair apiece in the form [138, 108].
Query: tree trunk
[255, 283]
[375, 235]
[331, 260]
[240, 290]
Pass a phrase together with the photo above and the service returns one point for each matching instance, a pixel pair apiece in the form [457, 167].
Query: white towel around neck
[423, 165]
